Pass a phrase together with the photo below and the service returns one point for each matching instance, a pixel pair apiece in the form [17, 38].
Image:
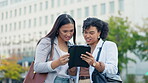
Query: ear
[99, 33]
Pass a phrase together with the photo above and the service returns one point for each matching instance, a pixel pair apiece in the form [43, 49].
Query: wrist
[94, 64]
[55, 64]
[58, 62]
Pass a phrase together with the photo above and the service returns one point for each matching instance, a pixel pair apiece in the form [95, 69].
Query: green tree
[119, 32]
[11, 69]
[141, 38]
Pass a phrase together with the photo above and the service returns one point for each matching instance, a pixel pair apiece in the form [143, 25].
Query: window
[112, 8]
[10, 13]
[52, 18]
[40, 21]
[10, 27]
[65, 2]
[46, 5]
[79, 31]
[24, 23]
[41, 6]
[29, 23]
[20, 11]
[15, 12]
[72, 13]
[24, 10]
[71, 1]
[46, 19]
[30, 9]
[2, 16]
[1, 28]
[78, 0]
[79, 12]
[95, 10]
[121, 5]
[14, 26]
[19, 24]
[58, 3]
[3, 3]
[103, 9]
[6, 15]
[86, 11]
[35, 7]
[6, 28]
[52, 3]
[34, 22]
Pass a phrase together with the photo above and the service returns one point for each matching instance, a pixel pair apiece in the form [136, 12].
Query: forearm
[43, 67]
[55, 64]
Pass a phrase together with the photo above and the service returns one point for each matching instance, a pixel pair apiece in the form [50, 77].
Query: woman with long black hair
[56, 42]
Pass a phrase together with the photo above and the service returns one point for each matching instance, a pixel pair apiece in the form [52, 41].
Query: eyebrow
[89, 31]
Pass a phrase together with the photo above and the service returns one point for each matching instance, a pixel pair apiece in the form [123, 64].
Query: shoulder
[45, 40]
[44, 43]
[109, 44]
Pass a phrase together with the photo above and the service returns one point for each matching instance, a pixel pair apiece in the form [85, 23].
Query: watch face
[94, 64]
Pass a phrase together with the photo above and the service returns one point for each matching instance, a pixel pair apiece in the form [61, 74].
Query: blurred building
[24, 22]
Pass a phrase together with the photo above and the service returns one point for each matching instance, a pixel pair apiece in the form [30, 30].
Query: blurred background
[24, 22]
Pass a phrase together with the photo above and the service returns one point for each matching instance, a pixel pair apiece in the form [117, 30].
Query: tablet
[75, 52]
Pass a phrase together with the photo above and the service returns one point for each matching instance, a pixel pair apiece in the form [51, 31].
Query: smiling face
[91, 35]
[66, 32]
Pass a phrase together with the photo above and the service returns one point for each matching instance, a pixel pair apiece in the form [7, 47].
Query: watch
[94, 64]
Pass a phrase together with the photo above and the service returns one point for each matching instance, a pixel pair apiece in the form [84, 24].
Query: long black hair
[60, 21]
[99, 24]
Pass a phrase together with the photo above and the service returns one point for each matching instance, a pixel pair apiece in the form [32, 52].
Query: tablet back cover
[75, 56]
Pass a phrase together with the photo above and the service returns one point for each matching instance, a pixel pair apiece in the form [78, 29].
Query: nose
[69, 34]
[87, 35]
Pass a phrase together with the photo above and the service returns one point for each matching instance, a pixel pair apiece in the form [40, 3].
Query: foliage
[128, 39]
[131, 78]
[11, 69]
[120, 34]
[141, 48]
[145, 78]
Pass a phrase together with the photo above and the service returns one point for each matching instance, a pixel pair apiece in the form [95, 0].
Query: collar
[99, 44]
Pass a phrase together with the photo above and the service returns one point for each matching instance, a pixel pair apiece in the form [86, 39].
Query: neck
[93, 46]
[62, 44]
[61, 41]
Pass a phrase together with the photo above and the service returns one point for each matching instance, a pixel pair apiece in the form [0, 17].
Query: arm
[42, 50]
[111, 62]
[111, 59]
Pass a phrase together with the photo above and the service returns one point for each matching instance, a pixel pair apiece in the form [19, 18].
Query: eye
[65, 31]
[71, 30]
[85, 32]
[91, 33]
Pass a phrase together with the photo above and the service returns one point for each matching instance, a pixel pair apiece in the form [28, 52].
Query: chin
[88, 43]
[66, 40]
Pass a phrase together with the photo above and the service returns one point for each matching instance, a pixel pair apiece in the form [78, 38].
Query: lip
[67, 38]
[88, 40]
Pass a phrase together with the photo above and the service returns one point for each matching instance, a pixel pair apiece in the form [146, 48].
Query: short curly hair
[99, 24]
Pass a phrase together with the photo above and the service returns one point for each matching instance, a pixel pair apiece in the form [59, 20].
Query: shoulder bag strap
[99, 52]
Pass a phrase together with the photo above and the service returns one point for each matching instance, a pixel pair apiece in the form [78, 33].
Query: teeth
[88, 39]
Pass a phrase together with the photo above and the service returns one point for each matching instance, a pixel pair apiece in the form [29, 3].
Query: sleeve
[111, 61]
[42, 51]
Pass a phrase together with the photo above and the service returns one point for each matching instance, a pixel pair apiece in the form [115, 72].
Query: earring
[98, 36]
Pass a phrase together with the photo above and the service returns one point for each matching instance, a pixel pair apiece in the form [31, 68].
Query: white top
[108, 55]
[63, 70]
